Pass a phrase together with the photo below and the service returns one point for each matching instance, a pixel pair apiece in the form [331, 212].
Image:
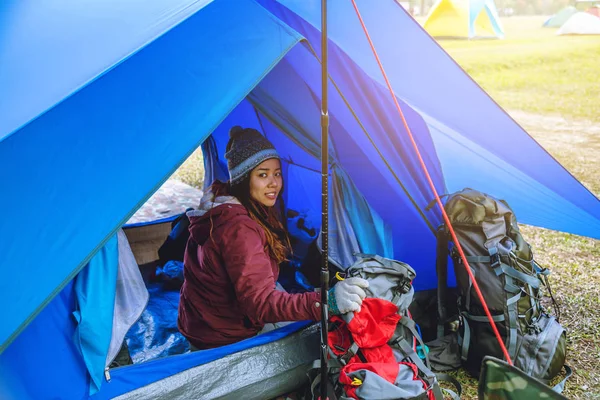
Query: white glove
[347, 295]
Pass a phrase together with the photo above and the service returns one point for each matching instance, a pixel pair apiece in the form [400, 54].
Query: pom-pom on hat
[246, 149]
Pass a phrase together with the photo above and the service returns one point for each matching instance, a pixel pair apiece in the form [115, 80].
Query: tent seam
[398, 180]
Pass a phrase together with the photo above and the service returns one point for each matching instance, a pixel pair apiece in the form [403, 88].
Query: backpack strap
[455, 395]
[332, 389]
[430, 377]
[408, 352]
[478, 259]
[511, 288]
[441, 267]
[464, 342]
[425, 368]
[543, 276]
[518, 275]
[437, 391]
[351, 352]
[411, 326]
[483, 318]
[560, 386]
[314, 376]
[468, 299]
[513, 315]
[502, 268]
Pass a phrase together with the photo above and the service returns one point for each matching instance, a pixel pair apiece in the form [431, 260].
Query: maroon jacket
[229, 289]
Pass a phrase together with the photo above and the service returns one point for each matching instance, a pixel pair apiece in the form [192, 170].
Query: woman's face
[266, 182]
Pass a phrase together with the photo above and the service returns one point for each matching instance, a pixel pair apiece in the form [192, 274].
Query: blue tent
[101, 101]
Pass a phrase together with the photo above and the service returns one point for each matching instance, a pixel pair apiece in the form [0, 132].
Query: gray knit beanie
[246, 149]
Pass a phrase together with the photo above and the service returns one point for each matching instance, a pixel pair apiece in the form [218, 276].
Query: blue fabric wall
[95, 157]
[427, 79]
[43, 361]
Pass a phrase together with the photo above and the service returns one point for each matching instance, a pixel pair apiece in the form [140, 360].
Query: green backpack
[511, 283]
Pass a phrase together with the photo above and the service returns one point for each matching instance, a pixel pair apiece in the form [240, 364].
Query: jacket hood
[216, 208]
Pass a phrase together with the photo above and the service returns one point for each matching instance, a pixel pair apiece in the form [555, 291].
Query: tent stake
[325, 203]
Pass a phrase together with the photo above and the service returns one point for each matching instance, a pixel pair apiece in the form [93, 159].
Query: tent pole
[325, 202]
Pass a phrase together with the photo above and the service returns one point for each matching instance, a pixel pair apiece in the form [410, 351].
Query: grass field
[551, 86]
[534, 70]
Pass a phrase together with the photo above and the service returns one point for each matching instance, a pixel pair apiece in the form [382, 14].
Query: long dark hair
[271, 219]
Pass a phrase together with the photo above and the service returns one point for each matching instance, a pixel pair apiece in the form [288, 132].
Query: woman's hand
[347, 295]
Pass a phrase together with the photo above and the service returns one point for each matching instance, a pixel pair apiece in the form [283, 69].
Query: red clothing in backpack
[371, 329]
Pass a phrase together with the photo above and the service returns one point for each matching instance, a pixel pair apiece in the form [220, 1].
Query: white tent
[581, 23]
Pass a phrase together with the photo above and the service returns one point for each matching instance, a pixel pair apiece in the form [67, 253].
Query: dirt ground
[574, 143]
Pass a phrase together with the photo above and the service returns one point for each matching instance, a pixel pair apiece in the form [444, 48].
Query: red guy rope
[437, 197]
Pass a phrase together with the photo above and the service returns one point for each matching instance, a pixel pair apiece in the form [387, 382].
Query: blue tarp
[427, 78]
[92, 151]
[155, 334]
[43, 360]
[94, 94]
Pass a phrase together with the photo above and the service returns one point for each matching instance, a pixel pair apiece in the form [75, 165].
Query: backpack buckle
[403, 287]
[494, 257]
[535, 329]
[351, 352]
[455, 256]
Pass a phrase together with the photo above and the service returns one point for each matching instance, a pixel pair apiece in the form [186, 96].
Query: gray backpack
[511, 283]
[389, 280]
[392, 280]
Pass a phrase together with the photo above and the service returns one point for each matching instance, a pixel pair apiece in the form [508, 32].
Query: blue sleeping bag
[155, 334]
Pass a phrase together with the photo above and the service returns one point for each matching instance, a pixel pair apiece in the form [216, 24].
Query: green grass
[192, 170]
[534, 70]
[551, 86]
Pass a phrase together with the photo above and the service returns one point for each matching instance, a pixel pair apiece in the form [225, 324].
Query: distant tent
[594, 11]
[581, 23]
[464, 19]
[558, 19]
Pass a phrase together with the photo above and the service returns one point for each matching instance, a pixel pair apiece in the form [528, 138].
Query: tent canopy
[464, 19]
[98, 97]
[581, 23]
[560, 17]
[102, 102]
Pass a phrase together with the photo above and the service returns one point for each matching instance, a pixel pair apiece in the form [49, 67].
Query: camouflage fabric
[500, 381]
[172, 198]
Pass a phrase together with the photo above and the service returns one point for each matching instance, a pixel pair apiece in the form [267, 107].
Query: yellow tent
[464, 19]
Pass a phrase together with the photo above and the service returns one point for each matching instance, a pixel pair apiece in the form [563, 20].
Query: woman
[237, 242]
